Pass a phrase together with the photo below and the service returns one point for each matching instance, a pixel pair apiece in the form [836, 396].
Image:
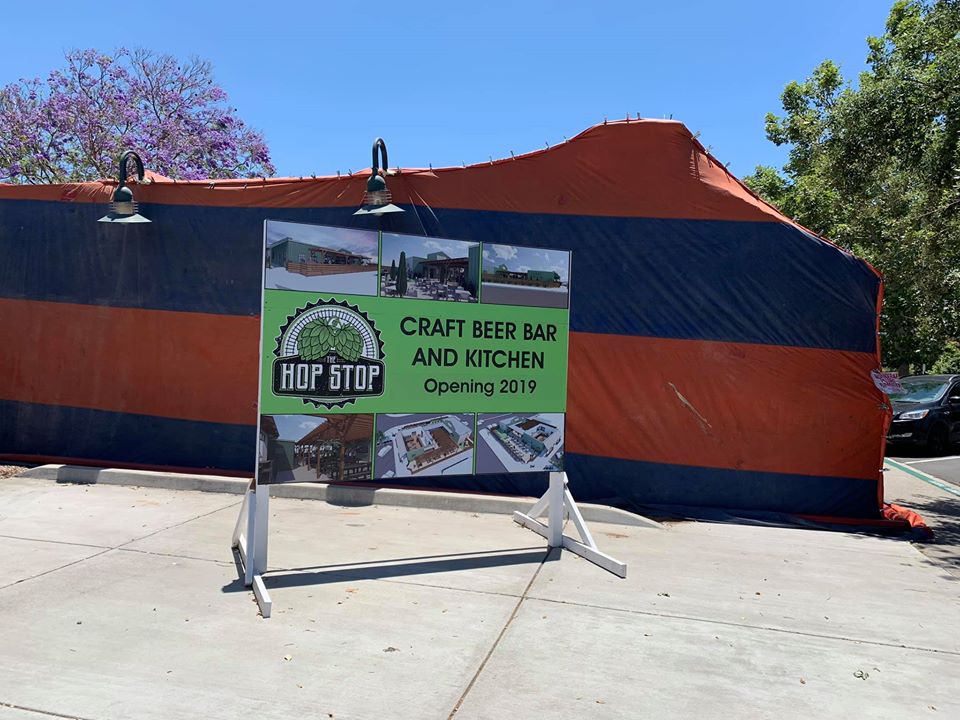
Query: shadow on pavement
[397, 567]
[944, 512]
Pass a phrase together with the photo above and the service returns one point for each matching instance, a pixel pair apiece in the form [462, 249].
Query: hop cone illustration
[320, 336]
[348, 343]
[315, 339]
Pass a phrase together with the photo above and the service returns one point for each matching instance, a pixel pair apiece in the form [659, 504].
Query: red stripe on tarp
[641, 168]
[682, 402]
[192, 366]
[724, 405]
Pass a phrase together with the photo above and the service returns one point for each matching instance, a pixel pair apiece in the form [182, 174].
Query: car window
[918, 390]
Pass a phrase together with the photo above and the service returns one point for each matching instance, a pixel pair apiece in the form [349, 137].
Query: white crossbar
[557, 501]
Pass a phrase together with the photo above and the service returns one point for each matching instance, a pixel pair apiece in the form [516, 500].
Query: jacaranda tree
[73, 125]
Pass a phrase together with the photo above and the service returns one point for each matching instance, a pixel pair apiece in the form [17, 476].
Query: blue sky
[521, 259]
[446, 83]
[294, 427]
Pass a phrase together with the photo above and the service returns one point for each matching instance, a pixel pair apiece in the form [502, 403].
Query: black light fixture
[376, 200]
[123, 208]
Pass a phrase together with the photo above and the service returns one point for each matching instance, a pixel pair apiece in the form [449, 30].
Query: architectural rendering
[416, 445]
[535, 277]
[520, 442]
[429, 268]
[314, 448]
[318, 258]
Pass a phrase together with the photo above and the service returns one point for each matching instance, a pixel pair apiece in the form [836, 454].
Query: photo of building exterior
[429, 268]
[320, 258]
[519, 442]
[531, 278]
[408, 445]
[315, 448]
[514, 275]
[310, 260]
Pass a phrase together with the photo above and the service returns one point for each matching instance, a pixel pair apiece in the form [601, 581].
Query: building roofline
[319, 247]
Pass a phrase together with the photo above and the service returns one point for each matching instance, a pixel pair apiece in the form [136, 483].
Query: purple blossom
[73, 126]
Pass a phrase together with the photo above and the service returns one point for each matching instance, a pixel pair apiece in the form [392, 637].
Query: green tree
[875, 166]
[393, 270]
[402, 275]
[949, 360]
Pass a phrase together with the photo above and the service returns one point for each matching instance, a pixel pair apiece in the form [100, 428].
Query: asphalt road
[946, 468]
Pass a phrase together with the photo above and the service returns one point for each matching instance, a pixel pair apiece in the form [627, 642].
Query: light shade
[377, 210]
[376, 200]
[123, 208]
[112, 217]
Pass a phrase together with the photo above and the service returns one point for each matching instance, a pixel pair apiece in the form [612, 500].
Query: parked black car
[927, 413]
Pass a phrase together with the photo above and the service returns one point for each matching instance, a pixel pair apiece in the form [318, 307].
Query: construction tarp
[720, 354]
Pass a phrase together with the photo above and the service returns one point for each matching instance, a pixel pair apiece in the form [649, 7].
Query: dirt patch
[10, 470]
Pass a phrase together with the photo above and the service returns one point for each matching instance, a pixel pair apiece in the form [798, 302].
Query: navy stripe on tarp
[118, 438]
[113, 437]
[751, 282]
[636, 486]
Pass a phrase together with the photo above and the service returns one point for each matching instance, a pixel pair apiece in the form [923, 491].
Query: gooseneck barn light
[376, 200]
[123, 208]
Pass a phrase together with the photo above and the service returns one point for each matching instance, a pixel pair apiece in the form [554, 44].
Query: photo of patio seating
[320, 258]
[315, 448]
[425, 268]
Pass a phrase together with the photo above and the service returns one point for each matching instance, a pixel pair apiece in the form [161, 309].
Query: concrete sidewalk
[123, 602]
[937, 501]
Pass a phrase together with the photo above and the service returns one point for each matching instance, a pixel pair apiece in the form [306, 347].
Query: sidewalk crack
[516, 608]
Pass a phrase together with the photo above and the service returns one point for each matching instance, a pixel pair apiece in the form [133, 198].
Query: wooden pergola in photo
[343, 431]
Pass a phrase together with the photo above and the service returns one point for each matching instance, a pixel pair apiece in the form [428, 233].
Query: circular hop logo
[319, 330]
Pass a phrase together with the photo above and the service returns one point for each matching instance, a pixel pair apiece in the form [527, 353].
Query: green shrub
[949, 360]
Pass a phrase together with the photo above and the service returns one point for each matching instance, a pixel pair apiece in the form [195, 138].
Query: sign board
[887, 382]
[385, 356]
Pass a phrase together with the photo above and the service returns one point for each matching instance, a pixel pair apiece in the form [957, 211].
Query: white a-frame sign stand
[557, 502]
[250, 533]
[250, 541]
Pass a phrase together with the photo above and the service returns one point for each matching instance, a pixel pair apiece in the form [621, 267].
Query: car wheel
[938, 442]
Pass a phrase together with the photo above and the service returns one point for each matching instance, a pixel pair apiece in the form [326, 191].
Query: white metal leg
[252, 545]
[555, 501]
[577, 517]
[555, 509]
[251, 539]
[262, 596]
[262, 521]
[238, 527]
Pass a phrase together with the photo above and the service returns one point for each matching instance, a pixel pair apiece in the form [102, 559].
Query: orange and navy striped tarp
[720, 354]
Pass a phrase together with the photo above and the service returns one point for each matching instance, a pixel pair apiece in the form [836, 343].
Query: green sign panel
[390, 356]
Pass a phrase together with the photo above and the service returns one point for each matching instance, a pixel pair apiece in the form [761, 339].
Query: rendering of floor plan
[520, 442]
[424, 445]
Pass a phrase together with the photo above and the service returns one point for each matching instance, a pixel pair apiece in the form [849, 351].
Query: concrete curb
[926, 477]
[346, 495]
